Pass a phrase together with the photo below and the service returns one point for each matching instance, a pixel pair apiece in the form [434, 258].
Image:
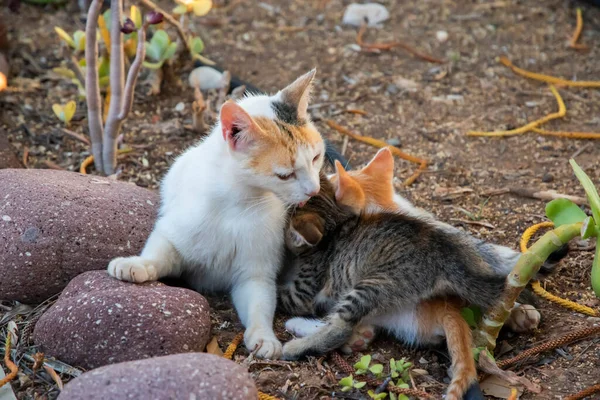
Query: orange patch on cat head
[372, 185]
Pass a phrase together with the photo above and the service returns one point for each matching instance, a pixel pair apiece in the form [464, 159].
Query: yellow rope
[229, 355]
[537, 287]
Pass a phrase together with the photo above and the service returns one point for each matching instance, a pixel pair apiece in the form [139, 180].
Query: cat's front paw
[361, 338]
[132, 269]
[294, 350]
[301, 327]
[523, 318]
[263, 342]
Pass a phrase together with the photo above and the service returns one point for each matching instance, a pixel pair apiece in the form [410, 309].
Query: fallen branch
[568, 135]
[547, 78]
[562, 110]
[547, 195]
[391, 45]
[76, 135]
[578, 28]
[381, 144]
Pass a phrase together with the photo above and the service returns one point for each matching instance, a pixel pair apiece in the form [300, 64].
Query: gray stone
[99, 320]
[55, 225]
[197, 376]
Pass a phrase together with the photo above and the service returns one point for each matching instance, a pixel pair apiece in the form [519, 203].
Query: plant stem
[169, 18]
[528, 265]
[596, 269]
[92, 85]
[134, 71]
[117, 82]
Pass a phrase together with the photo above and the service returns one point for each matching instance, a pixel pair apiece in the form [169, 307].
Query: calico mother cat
[224, 206]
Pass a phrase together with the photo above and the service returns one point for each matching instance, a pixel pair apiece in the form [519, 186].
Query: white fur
[221, 227]
[301, 327]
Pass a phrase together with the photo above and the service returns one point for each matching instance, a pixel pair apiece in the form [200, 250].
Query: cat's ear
[305, 231]
[344, 181]
[239, 129]
[297, 94]
[381, 166]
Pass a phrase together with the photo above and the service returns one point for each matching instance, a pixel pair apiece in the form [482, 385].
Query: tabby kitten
[224, 207]
[371, 269]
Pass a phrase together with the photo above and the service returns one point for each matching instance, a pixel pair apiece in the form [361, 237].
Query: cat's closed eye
[316, 158]
[286, 177]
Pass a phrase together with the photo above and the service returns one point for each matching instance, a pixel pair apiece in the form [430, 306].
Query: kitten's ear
[239, 129]
[381, 166]
[305, 231]
[298, 93]
[343, 183]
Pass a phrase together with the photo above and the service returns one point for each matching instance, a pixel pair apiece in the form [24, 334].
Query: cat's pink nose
[313, 193]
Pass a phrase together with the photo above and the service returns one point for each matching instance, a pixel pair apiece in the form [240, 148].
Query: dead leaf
[213, 347]
[445, 193]
[487, 365]
[497, 387]
[55, 376]
[13, 330]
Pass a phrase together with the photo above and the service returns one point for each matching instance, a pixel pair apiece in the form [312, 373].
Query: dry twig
[577, 33]
[568, 135]
[391, 45]
[381, 144]
[9, 364]
[547, 78]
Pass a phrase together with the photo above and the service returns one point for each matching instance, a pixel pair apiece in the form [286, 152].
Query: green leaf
[160, 39]
[364, 362]
[64, 72]
[136, 16]
[376, 369]
[590, 190]
[153, 51]
[469, 316]
[202, 7]
[347, 381]
[79, 40]
[359, 385]
[180, 9]
[476, 352]
[196, 45]
[170, 52]
[150, 65]
[403, 385]
[103, 66]
[346, 388]
[104, 81]
[107, 19]
[65, 36]
[563, 212]
[596, 269]
[393, 396]
[403, 397]
[589, 228]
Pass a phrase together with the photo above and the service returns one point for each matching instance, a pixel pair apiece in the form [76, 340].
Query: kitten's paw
[523, 318]
[132, 269]
[301, 327]
[361, 339]
[263, 342]
[294, 350]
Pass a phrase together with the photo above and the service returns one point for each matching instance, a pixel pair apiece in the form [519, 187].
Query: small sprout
[154, 18]
[198, 7]
[65, 113]
[128, 27]
[362, 366]
[196, 46]
[159, 49]
[348, 383]
[376, 370]
[76, 42]
[378, 396]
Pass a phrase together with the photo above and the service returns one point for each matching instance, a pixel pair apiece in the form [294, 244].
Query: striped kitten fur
[370, 268]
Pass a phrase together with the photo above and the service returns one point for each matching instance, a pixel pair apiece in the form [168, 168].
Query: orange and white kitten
[224, 207]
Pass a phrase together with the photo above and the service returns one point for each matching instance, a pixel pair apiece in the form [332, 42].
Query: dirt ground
[426, 108]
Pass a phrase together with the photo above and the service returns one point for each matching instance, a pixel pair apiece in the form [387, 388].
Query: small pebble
[392, 89]
[548, 177]
[441, 36]
[374, 13]
[180, 106]
[205, 77]
[420, 372]
[394, 142]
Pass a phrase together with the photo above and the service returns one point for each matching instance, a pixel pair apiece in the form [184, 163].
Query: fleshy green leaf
[180, 9]
[59, 111]
[403, 397]
[346, 388]
[476, 352]
[196, 45]
[64, 72]
[363, 363]
[347, 381]
[376, 369]
[202, 7]
[150, 65]
[590, 190]
[403, 385]
[70, 108]
[160, 39]
[589, 228]
[563, 212]
[136, 16]
[596, 269]
[107, 19]
[153, 51]
[393, 396]
[79, 40]
[468, 316]
[103, 66]
[170, 52]
[65, 36]
[359, 385]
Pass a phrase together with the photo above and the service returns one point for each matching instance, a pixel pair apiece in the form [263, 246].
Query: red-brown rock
[197, 376]
[55, 225]
[99, 320]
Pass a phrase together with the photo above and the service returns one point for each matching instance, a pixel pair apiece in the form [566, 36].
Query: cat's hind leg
[158, 259]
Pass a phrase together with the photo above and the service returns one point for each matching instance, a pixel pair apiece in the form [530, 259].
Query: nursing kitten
[224, 206]
[369, 269]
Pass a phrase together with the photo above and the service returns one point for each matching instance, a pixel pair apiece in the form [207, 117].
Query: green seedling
[196, 47]
[472, 315]
[377, 396]
[65, 112]
[394, 396]
[362, 367]
[160, 49]
[400, 369]
[198, 7]
[348, 383]
[76, 42]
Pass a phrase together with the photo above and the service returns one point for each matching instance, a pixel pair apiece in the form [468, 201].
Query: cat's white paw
[523, 318]
[361, 339]
[294, 349]
[263, 342]
[301, 327]
[132, 269]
